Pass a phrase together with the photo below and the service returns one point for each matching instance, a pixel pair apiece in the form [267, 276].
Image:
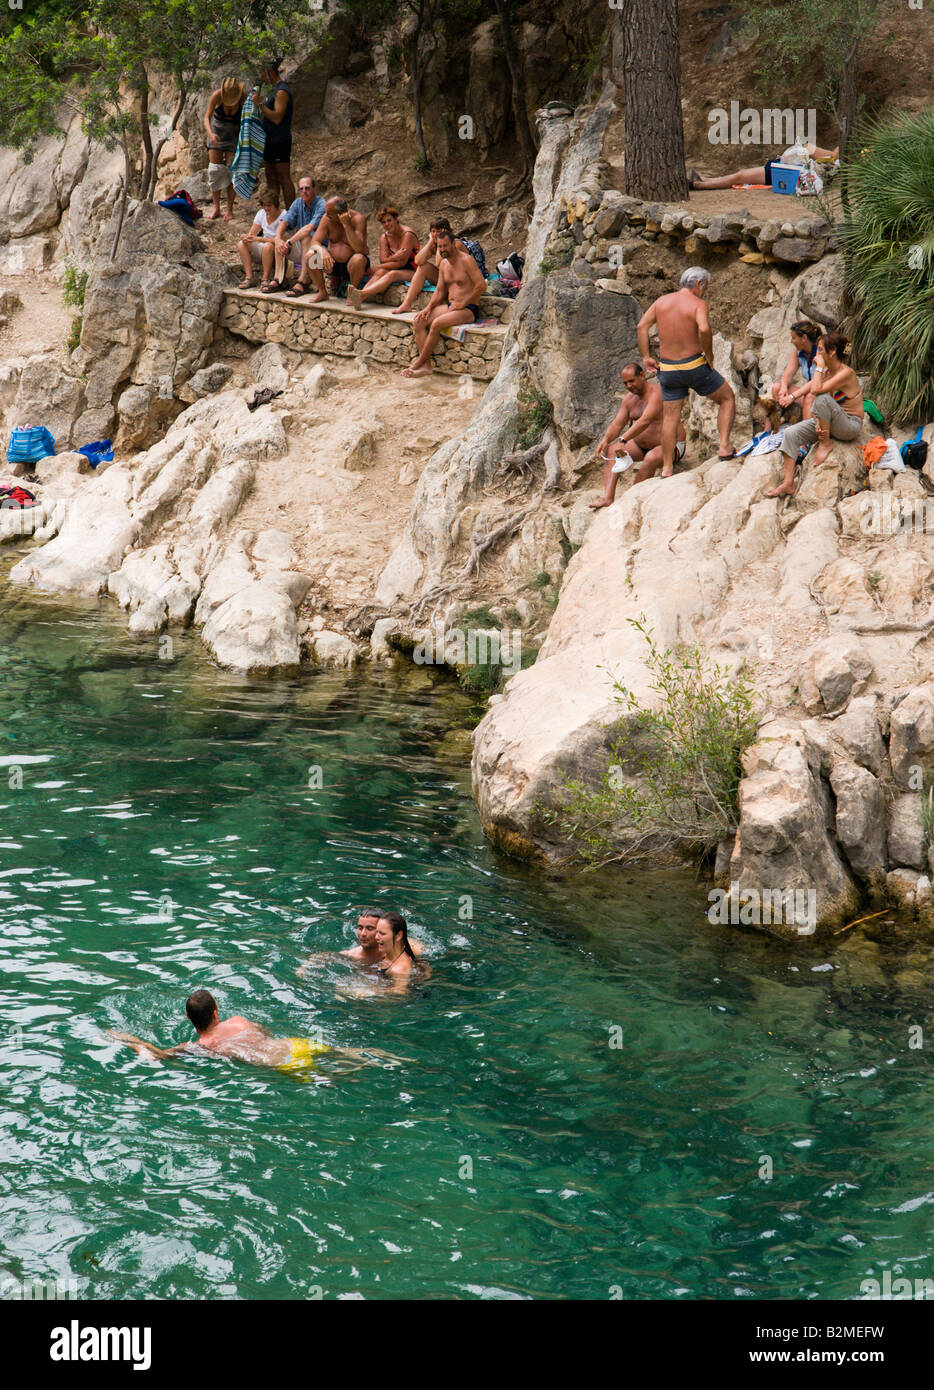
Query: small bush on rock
[686, 754]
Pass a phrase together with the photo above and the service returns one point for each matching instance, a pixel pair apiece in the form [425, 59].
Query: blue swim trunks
[688, 374]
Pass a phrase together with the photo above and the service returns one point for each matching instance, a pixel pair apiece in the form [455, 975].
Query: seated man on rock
[338, 249]
[425, 273]
[397, 248]
[635, 435]
[455, 301]
[293, 235]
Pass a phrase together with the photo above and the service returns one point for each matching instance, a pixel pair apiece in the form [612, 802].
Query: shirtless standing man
[345, 258]
[460, 286]
[685, 352]
[635, 434]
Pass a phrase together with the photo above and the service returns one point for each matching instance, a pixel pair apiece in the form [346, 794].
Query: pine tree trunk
[145, 136]
[652, 93]
[417, 98]
[517, 75]
[124, 193]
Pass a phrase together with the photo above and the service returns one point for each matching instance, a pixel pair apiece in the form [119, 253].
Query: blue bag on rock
[29, 444]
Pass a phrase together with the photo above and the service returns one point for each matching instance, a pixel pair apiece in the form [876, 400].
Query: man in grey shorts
[685, 354]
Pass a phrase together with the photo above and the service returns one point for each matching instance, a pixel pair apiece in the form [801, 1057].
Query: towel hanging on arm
[248, 158]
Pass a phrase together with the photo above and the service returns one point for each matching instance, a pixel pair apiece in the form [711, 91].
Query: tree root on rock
[505, 526]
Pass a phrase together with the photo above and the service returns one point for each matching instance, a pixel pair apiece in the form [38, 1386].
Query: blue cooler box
[785, 177]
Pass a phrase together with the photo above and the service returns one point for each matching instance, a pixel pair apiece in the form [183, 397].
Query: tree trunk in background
[847, 109]
[517, 74]
[652, 93]
[417, 98]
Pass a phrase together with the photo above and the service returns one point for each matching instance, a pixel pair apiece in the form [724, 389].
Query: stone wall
[373, 333]
[600, 228]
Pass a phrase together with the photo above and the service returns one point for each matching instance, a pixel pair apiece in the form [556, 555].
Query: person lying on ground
[685, 361]
[262, 233]
[836, 410]
[425, 275]
[802, 358]
[635, 435]
[396, 952]
[759, 173]
[222, 125]
[455, 301]
[397, 249]
[296, 229]
[365, 952]
[338, 249]
[239, 1040]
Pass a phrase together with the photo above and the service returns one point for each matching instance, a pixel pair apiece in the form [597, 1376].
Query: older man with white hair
[685, 361]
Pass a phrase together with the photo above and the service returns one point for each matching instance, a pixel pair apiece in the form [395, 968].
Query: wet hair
[440, 224]
[695, 275]
[340, 205]
[387, 212]
[398, 924]
[806, 329]
[634, 367]
[836, 342]
[200, 1008]
[446, 231]
[369, 912]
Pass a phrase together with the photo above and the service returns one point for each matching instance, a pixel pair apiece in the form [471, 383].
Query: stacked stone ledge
[594, 220]
[343, 332]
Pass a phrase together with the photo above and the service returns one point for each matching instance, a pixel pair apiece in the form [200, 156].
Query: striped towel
[248, 159]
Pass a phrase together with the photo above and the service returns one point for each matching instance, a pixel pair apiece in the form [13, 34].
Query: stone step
[374, 333]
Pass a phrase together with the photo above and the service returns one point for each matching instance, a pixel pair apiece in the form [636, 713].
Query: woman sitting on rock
[802, 358]
[260, 234]
[836, 410]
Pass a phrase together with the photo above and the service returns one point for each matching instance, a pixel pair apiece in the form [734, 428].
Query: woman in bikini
[836, 410]
[222, 126]
[425, 275]
[395, 950]
[397, 250]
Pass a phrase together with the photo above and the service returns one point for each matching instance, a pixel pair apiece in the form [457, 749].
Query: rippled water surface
[170, 833]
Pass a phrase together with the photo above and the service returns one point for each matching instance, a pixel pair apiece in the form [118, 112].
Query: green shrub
[888, 240]
[927, 816]
[480, 617]
[687, 755]
[74, 284]
[536, 413]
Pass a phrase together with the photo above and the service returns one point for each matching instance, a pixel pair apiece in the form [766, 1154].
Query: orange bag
[873, 451]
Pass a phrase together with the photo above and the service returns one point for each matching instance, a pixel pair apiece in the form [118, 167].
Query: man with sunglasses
[294, 235]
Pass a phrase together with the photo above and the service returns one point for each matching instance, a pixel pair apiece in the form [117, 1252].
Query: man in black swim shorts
[685, 353]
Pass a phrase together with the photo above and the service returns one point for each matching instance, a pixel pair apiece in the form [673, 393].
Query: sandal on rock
[246, 284]
[273, 287]
[298, 289]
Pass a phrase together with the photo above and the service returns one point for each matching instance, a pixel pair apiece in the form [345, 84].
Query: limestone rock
[272, 366]
[49, 396]
[342, 109]
[906, 834]
[857, 731]
[860, 818]
[702, 412]
[255, 630]
[205, 382]
[832, 671]
[911, 738]
[336, 649]
[784, 842]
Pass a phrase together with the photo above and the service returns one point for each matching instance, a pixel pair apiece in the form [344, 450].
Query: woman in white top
[262, 230]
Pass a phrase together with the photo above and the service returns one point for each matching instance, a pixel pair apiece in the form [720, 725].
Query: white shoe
[622, 464]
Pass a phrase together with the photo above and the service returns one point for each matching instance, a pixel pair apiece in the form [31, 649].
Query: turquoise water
[166, 836]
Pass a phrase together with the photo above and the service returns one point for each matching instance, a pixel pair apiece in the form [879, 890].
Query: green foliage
[74, 284]
[927, 816]
[539, 581]
[686, 754]
[820, 38]
[481, 618]
[535, 415]
[555, 259]
[888, 239]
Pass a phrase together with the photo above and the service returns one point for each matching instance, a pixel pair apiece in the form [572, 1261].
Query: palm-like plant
[888, 239]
